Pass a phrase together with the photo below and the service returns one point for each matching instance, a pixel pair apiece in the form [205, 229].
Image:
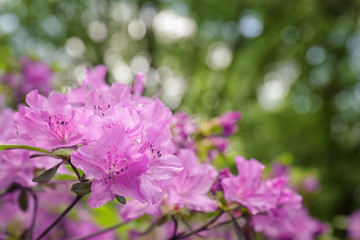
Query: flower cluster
[111, 142]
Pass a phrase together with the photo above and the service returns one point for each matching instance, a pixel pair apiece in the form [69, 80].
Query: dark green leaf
[23, 201]
[121, 199]
[81, 188]
[47, 175]
[63, 152]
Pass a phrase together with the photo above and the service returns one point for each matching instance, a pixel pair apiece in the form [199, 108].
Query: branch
[78, 197]
[175, 227]
[81, 179]
[95, 234]
[202, 228]
[33, 220]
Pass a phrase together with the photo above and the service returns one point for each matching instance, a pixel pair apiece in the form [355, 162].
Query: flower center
[60, 126]
[114, 163]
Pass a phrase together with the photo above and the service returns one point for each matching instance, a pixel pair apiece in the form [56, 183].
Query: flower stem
[33, 220]
[76, 171]
[43, 234]
[202, 228]
[175, 227]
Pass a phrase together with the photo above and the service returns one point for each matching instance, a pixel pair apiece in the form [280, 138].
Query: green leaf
[47, 175]
[63, 152]
[13, 146]
[22, 200]
[121, 199]
[81, 188]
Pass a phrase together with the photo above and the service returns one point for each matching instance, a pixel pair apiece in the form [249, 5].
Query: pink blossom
[311, 184]
[16, 167]
[94, 79]
[123, 167]
[37, 75]
[7, 126]
[182, 128]
[248, 189]
[279, 170]
[353, 224]
[190, 189]
[49, 123]
[228, 122]
[224, 173]
[135, 209]
[10, 211]
[138, 87]
[288, 223]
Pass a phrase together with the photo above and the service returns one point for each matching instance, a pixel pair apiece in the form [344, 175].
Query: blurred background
[291, 67]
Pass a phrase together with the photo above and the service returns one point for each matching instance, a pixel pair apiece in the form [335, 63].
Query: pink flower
[94, 79]
[248, 189]
[279, 170]
[182, 128]
[289, 223]
[7, 126]
[138, 87]
[353, 224]
[16, 167]
[135, 209]
[228, 122]
[49, 123]
[224, 173]
[244, 187]
[311, 184]
[190, 189]
[37, 75]
[121, 166]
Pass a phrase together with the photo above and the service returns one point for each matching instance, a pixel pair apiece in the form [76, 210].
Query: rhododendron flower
[190, 189]
[49, 123]
[228, 122]
[7, 126]
[353, 224]
[94, 79]
[10, 211]
[121, 166]
[138, 87]
[16, 167]
[135, 209]
[279, 170]
[37, 75]
[288, 223]
[248, 189]
[182, 128]
[311, 183]
[224, 173]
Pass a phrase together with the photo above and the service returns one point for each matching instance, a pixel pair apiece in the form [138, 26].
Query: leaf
[121, 199]
[81, 188]
[63, 152]
[47, 175]
[14, 146]
[22, 200]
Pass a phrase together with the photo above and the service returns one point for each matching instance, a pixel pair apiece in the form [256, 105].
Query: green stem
[14, 146]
